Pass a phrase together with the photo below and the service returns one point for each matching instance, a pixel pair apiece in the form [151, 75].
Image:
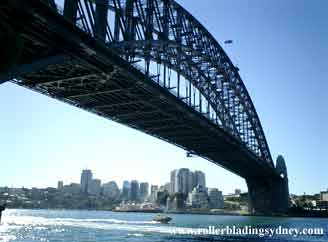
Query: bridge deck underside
[92, 77]
[147, 108]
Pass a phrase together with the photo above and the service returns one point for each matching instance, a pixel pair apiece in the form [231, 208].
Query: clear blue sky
[281, 48]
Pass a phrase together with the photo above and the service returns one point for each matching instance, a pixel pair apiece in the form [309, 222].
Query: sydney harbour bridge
[150, 65]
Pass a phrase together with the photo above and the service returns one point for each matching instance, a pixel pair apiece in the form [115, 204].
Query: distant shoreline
[232, 213]
[222, 213]
[137, 210]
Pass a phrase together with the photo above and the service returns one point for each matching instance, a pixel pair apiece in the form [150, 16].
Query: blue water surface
[72, 225]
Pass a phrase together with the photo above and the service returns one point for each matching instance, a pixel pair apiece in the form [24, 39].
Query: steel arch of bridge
[161, 36]
[145, 32]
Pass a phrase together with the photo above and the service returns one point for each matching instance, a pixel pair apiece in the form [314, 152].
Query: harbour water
[67, 225]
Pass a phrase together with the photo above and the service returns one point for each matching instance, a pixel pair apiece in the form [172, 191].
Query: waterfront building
[215, 198]
[144, 190]
[86, 178]
[94, 187]
[324, 195]
[198, 198]
[60, 185]
[111, 190]
[176, 202]
[322, 204]
[126, 190]
[162, 197]
[134, 190]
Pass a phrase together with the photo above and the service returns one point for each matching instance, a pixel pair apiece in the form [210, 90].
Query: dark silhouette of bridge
[150, 65]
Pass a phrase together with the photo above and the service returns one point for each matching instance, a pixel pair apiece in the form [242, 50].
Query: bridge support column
[269, 196]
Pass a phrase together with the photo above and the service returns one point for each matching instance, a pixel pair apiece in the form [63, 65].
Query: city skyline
[44, 136]
[87, 176]
[120, 185]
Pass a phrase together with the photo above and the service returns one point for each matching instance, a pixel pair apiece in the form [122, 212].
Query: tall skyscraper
[173, 180]
[190, 185]
[181, 181]
[199, 178]
[134, 190]
[126, 190]
[144, 190]
[86, 178]
[184, 180]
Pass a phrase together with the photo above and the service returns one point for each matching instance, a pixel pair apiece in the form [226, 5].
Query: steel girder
[163, 32]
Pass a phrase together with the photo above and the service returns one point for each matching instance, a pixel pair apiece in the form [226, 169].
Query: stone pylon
[270, 195]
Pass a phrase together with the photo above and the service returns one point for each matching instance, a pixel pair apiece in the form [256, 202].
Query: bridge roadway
[62, 61]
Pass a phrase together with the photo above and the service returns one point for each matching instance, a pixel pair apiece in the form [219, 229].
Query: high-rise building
[173, 180]
[60, 185]
[86, 178]
[144, 190]
[134, 190]
[199, 179]
[153, 192]
[111, 190]
[126, 190]
[215, 198]
[94, 187]
[183, 181]
[191, 178]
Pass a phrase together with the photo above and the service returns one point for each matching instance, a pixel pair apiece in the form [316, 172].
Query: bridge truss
[172, 47]
[160, 39]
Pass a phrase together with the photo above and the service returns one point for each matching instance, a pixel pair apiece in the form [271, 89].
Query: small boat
[162, 219]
